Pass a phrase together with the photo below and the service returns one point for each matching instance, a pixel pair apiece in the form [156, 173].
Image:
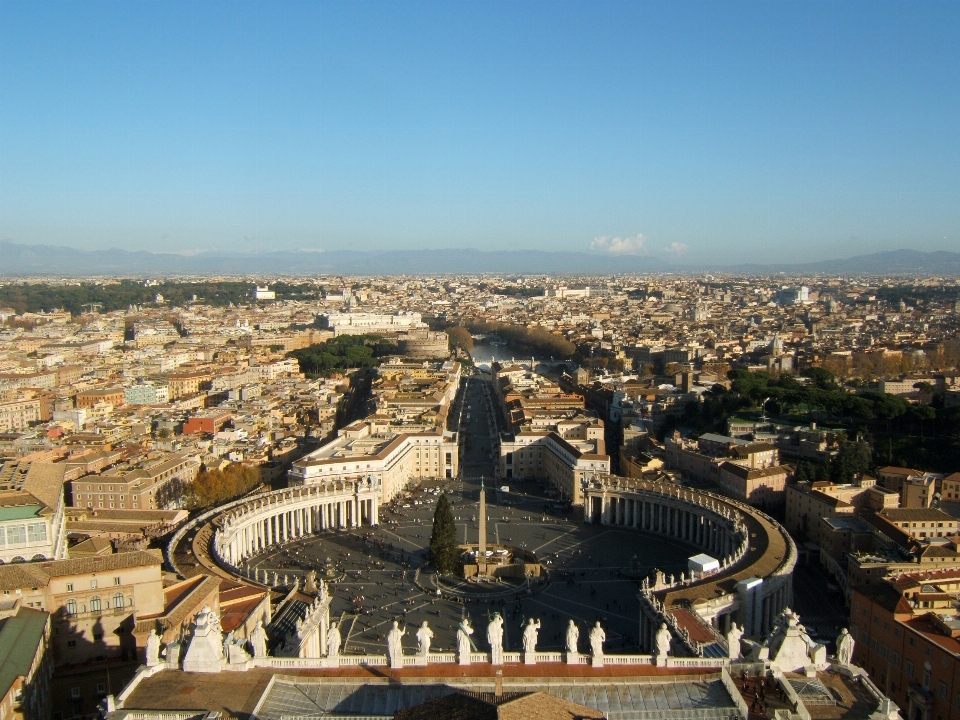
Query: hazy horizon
[693, 132]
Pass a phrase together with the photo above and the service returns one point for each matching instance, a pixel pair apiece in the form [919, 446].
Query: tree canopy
[444, 553]
[347, 352]
[533, 340]
[35, 297]
[212, 487]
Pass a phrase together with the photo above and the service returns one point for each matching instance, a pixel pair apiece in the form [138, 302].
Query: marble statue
[153, 648]
[464, 631]
[227, 642]
[214, 622]
[663, 641]
[573, 637]
[333, 641]
[733, 641]
[845, 645]
[395, 645]
[205, 649]
[258, 640]
[310, 583]
[424, 636]
[597, 638]
[235, 654]
[530, 636]
[495, 638]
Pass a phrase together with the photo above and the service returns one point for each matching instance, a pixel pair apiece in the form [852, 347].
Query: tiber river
[483, 353]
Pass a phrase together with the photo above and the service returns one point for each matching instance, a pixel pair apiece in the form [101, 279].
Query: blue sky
[697, 130]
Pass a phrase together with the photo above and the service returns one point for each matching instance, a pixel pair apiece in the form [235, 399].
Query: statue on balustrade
[333, 641]
[530, 636]
[258, 640]
[663, 640]
[424, 636]
[573, 637]
[597, 638]
[464, 631]
[395, 645]
[495, 638]
[733, 641]
[845, 645]
[153, 648]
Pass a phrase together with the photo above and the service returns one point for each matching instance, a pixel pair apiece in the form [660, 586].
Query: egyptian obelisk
[482, 544]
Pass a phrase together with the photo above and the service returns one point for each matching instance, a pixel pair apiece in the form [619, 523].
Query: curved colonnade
[277, 517]
[756, 555]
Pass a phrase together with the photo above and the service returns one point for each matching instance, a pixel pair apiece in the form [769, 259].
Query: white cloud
[310, 250]
[619, 246]
[676, 248]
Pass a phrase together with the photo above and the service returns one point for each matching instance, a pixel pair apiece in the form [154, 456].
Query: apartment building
[32, 517]
[564, 461]
[907, 633]
[24, 662]
[188, 382]
[366, 449]
[921, 523]
[950, 488]
[893, 478]
[92, 601]
[146, 394]
[19, 414]
[109, 396]
[134, 487]
[748, 471]
[360, 323]
[808, 502]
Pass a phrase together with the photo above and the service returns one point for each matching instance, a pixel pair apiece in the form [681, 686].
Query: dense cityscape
[234, 477]
[432, 360]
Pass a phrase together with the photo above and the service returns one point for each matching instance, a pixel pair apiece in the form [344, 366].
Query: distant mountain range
[47, 260]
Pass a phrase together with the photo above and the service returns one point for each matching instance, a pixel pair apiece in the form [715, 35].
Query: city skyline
[691, 133]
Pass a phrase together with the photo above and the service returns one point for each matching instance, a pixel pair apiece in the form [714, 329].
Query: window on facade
[71, 644]
[909, 668]
[942, 689]
[71, 607]
[16, 535]
[75, 692]
[37, 532]
[101, 687]
[116, 581]
[95, 603]
[93, 584]
[895, 658]
[118, 600]
[69, 587]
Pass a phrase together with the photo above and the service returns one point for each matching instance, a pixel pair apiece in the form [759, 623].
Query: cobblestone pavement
[376, 568]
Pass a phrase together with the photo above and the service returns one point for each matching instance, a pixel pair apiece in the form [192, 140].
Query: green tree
[443, 542]
[460, 338]
[853, 459]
